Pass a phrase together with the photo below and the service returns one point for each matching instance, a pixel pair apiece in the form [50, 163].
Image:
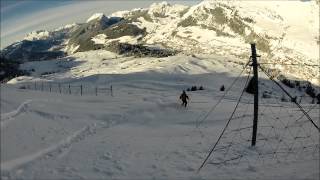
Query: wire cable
[288, 94]
[219, 101]
[292, 64]
[224, 129]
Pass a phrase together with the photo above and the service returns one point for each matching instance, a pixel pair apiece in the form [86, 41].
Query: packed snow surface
[142, 131]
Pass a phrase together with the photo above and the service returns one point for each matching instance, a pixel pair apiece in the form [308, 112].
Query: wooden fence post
[69, 89]
[111, 91]
[96, 91]
[50, 86]
[81, 89]
[59, 88]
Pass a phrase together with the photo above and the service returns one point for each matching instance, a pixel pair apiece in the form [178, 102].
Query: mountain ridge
[210, 27]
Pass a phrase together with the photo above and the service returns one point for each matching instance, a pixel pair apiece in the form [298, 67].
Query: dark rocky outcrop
[83, 35]
[36, 50]
[138, 50]
[9, 69]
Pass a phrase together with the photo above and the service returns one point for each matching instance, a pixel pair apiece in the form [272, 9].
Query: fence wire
[71, 89]
[284, 135]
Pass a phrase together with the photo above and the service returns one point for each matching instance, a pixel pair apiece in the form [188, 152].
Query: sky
[20, 17]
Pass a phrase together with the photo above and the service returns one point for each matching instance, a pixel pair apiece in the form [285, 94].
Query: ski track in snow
[63, 144]
[7, 117]
[108, 162]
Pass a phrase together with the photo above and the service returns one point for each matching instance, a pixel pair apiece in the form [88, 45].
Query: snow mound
[99, 39]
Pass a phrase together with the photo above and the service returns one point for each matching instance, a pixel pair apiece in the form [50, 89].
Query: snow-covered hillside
[59, 136]
[51, 135]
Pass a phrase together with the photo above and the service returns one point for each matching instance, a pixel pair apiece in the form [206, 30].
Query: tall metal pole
[256, 94]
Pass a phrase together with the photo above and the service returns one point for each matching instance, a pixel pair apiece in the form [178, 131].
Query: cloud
[7, 6]
[50, 18]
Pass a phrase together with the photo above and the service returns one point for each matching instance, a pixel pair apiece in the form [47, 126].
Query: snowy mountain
[210, 27]
[40, 45]
[226, 28]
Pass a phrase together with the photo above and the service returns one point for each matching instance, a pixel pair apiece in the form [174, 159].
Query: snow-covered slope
[92, 63]
[59, 136]
[84, 64]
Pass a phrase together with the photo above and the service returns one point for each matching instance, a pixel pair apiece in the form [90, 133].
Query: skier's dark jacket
[184, 96]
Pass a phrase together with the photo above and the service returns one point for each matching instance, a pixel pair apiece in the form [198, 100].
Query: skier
[184, 98]
[222, 88]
